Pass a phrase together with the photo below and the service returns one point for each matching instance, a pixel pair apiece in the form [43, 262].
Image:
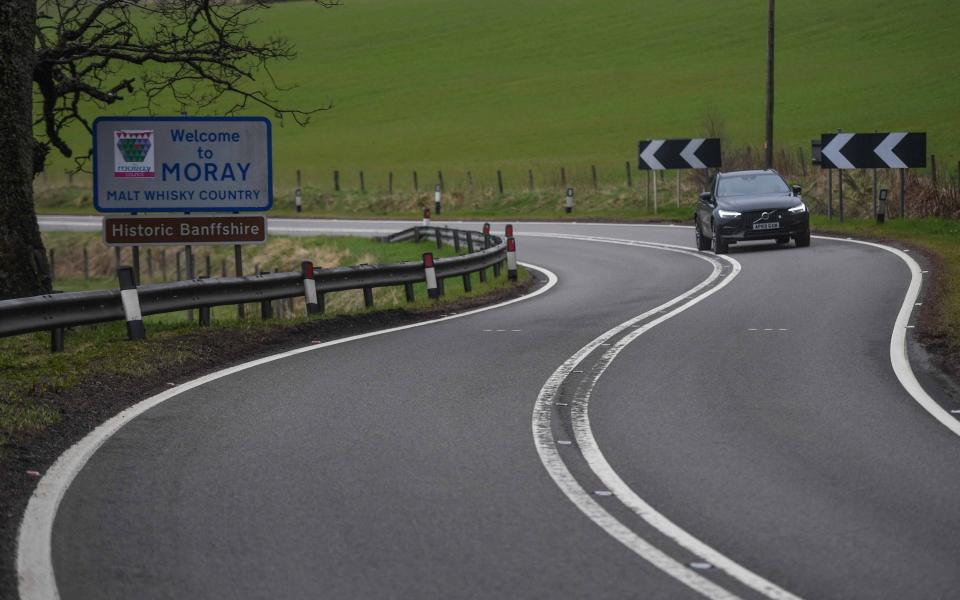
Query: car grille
[774, 216]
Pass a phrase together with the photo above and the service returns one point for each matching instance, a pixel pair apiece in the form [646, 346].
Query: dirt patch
[99, 397]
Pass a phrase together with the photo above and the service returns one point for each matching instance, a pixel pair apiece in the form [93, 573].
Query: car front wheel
[719, 244]
[803, 240]
[703, 243]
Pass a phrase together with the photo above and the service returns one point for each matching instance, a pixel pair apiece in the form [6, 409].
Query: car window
[748, 185]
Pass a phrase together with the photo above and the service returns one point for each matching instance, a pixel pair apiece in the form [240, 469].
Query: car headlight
[727, 214]
[799, 209]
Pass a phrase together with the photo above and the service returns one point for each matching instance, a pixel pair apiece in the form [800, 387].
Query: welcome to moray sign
[182, 164]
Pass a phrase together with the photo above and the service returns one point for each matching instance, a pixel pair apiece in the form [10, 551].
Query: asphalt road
[763, 420]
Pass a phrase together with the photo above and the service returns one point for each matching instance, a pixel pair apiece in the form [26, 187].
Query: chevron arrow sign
[696, 153]
[873, 150]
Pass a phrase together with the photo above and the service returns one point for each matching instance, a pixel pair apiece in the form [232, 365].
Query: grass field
[533, 84]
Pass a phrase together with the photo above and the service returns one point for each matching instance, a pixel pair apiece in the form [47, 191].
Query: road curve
[763, 421]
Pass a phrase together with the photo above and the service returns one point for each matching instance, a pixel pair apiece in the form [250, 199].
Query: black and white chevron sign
[697, 153]
[873, 150]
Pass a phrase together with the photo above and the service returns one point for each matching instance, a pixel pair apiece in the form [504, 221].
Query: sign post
[184, 165]
[898, 150]
[686, 153]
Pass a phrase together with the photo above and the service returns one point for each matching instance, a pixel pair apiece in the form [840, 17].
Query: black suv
[750, 205]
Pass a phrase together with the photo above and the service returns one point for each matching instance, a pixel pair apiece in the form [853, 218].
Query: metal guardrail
[54, 312]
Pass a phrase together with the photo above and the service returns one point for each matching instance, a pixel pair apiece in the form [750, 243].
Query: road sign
[697, 153]
[873, 150]
[184, 230]
[182, 164]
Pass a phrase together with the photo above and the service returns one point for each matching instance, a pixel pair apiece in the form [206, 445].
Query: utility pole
[768, 146]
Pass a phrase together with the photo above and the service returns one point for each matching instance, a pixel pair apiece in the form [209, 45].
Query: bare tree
[77, 58]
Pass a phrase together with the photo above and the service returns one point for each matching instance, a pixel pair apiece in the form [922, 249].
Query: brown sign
[181, 231]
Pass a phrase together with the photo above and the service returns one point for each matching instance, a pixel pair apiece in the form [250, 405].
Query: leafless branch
[98, 52]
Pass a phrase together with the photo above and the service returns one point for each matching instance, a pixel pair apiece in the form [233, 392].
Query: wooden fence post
[363, 186]
[629, 176]
[390, 183]
[500, 181]
[416, 184]
[336, 181]
[593, 169]
[530, 176]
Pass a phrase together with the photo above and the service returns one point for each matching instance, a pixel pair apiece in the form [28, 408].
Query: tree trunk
[24, 270]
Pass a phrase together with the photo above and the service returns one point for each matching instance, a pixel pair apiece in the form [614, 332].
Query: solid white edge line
[36, 579]
[899, 357]
[555, 466]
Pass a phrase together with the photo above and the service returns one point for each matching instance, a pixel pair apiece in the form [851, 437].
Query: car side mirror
[796, 191]
[706, 197]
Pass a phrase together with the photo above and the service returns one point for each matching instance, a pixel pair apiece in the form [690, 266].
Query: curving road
[658, 424]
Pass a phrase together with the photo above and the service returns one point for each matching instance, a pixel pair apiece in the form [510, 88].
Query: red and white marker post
[309, 287]
[430, 272]
[511, 259]
[131, 304]
[426, 217]
[508, 231]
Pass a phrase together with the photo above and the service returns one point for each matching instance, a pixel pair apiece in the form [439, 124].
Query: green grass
[29, 372]
[535, 84]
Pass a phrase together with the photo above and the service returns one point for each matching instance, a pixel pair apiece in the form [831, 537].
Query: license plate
[770, 225]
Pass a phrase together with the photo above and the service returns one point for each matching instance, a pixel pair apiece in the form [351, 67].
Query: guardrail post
[131, 304]
[368, 297]
[496, 269]
[266, 310]
[439, 239]
[408, 291]
[467, 284]
[511, 259]
[309, 287]
[430, 274]
[469, 242]
[56, 340]
[205, 312]
[456, 241]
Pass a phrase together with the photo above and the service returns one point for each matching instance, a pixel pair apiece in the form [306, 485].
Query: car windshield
[749, 185]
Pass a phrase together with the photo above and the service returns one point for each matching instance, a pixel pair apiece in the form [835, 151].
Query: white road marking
[546, 448]
[899, 359]
[34, 559]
